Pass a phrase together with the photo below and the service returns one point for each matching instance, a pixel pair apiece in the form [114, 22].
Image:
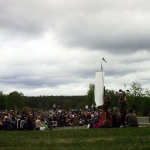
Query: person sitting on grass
[6, 123]
[106, 124]
[131, 119]
[116, 118]
[38, 123]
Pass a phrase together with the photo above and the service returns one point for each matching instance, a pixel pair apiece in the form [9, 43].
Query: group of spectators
[115, 118]
[56, 117]
[34, 119]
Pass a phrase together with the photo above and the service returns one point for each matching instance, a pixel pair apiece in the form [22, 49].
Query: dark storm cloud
[120, 39]
[23, 18]
[114, 26]
[31, 80]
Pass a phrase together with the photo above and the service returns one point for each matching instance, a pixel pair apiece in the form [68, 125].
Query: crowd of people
[34, 119]
[56, 117]
[115, 119]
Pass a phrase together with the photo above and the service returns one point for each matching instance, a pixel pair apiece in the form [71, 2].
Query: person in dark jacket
[116, 118]
[123, 114]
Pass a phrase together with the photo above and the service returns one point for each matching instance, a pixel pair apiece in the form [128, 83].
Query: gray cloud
[95, 34]
[60, 44]
[95, 26]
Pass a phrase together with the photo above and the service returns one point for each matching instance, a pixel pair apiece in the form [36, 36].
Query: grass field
[136, 138]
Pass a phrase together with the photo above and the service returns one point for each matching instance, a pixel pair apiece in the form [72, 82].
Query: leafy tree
[89, 99]
[81, 105]
[147, 93]
[2, 101]
[15, 100]
[137, 96]
[113, 96]
[136, 89]
[67, 105]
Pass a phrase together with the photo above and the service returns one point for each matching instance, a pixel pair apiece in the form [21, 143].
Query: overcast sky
[54, 47]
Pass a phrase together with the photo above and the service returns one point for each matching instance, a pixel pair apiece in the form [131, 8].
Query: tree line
[16, 100]
[136, 97]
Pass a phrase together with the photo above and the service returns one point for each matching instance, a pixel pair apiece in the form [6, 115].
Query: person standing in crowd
[86, 107]
[29, 123]
[122, 98]
[116, 117]
[107, 100]
[131, 119]
[54, 107]
[22, 123]
[123, 114]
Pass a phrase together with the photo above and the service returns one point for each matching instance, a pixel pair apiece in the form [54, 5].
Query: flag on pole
[104, 59]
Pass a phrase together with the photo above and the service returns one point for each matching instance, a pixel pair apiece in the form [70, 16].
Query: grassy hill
[136, 138]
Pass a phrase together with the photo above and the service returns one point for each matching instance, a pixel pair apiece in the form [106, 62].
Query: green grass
[77, 139]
